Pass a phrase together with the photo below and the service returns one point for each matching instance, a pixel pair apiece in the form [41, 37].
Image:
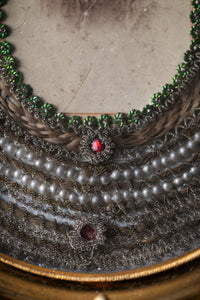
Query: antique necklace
[106, 194]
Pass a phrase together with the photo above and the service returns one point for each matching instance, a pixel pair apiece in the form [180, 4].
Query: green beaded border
[47, 111]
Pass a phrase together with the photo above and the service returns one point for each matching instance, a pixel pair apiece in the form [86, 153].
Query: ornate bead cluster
[47, 112]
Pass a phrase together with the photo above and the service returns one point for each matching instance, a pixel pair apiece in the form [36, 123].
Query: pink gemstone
[97, 146]
[88, 232]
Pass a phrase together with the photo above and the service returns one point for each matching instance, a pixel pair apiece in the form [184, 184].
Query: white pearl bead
[96, 200]
[127, 174]
[115, 175]
[60, 171]
[50, 166]
[72, 197]
[116, 197]
[26, 179]
[82, 179]
[104, 179]
[43, 188]
[71, 173]
[8, 172]
[53, 189]
[20, 152]
[34, 184]
[31, 156]
[107, 198]
[63, 193]
[94, 179]
[127, 195]
[10, 148]
[83, 199]
[39, 163]
[2, 141]
[17, 174]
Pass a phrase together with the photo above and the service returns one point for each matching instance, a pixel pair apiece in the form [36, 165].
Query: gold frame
[104, 277]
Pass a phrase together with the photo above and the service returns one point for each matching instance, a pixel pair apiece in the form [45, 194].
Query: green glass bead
[15, 77]
[26, 90]
[90, 121]
[182, 70]
[5, 48]
[4, 31]
[195, 31]
[60, 117]
[48, 110]
[9, 62]
[188, 57]
[2, 2]
[75, 121]
[167, 90]
[195, 16]
[120, 119]
[147, 109]
[195, 3]
[105, 120]
[134, 116]
[157, 99]
[195, 45]
[176, 80]
[34, 102]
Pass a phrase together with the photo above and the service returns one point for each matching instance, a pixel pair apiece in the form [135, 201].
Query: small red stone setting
[97, 146]
[88, 232]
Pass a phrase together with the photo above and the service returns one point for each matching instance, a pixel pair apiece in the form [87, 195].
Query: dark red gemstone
[97, 146]
[88, 232]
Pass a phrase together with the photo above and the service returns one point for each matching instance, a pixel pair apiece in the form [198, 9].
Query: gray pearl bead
[104, 179]
[187, 176]
[156, 189]
[63, 193]
[116, 197]
[96, 200]
[8, 172]
[17, 174]
[73, 198]
[127, 195]
[195, 171]
[60, 171]
[20, 152]
[43, 188]
[26, 179]
[3, 141]
[193, 145]
[183, 151]
[34, 184]
[107, 198]
[136, 194]
[148, 169]
[115, 175]
[30, 156]
[50, 166]
[10, 148]
[71, 173]
[127, 174]
[197, 136]
[53, 189]
[178, 181]
[2, 167]
[146, 192]
[83, 199]
[82, 179]
[174, 156]
[94, 179]
[156, 163]
[166, 186]
[165, 161]
[138, 173]
[39, 163]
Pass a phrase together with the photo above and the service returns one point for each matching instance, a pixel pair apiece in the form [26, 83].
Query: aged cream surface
[98, 56]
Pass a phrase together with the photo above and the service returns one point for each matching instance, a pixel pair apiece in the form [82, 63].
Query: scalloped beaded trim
[47, 112]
